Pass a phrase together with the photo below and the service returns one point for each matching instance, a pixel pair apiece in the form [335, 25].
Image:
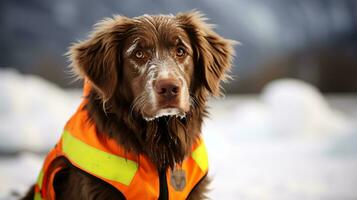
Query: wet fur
[166, 140]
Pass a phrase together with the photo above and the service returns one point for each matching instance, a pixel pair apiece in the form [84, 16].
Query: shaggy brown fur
[116, 86]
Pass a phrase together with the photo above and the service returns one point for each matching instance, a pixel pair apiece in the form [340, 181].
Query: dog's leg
[73, 183]
[200, 190]
[76, 184]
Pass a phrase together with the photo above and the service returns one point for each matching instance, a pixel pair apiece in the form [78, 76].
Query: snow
[289, 142]
[28, 120]
[17, 174]
[298, 108]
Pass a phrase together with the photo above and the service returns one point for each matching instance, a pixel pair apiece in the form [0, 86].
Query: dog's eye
[139, 54]
[180, 52]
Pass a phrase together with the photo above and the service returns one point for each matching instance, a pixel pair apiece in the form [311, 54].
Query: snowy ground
[289, 142]
[249, 161]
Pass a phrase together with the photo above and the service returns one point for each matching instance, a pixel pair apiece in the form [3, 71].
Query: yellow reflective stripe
[200, 156]
[98, 162]
[37, 196]
[40, 179]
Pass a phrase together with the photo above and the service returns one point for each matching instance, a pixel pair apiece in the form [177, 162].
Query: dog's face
[162, 65]
[158, 65]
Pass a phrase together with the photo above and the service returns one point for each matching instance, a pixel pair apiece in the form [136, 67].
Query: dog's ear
[97, 59]
[213, 53]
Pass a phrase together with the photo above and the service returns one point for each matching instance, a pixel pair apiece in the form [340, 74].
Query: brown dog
[150, 77]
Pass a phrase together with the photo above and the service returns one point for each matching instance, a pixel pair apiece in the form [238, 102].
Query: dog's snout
[168, 88]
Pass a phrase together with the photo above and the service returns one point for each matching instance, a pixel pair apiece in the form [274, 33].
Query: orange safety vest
[135, 176]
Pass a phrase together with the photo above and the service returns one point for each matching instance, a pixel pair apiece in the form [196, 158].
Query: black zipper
[164, 193]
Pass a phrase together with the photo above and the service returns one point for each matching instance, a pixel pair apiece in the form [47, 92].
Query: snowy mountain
[35, 33]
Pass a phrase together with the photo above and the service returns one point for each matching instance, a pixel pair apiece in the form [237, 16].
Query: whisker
[194, 101]
[137, 104]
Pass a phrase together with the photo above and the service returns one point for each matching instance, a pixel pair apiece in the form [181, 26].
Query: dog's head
[150, 77]
[163, 65]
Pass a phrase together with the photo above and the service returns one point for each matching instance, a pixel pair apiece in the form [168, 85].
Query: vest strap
[40, 179]
[98, 162]
[199, 155]
[37, 196]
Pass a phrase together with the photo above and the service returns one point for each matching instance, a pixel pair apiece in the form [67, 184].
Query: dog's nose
[167, 88]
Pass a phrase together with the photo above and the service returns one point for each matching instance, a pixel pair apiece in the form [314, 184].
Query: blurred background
[286, 128]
